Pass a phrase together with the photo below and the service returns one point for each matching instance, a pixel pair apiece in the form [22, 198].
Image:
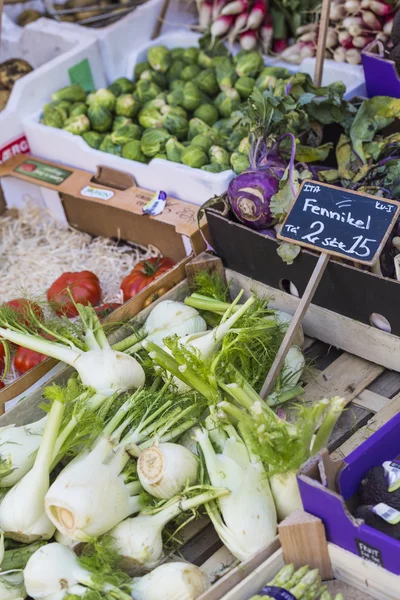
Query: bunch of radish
[353, 25]
[247, 22]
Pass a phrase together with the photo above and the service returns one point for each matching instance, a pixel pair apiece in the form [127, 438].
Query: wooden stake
[295, 323]
[303, 542]
[161, 18]
[322, 33]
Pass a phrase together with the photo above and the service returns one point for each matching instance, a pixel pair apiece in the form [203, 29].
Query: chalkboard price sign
[340, 222]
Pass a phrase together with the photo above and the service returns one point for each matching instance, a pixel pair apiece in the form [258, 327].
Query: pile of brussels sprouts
[178, 107]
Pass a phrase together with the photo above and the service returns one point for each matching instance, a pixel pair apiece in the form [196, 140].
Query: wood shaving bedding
[35, 251]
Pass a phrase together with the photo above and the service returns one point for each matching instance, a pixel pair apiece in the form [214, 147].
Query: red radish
[352, 22]
[311, 36]
[221, 26]
[388, 26]
[307, 50]
[353, 56]
[332, 38]
[267, 33]
[352, 6]
[281, 45]
[306, 28]
[371, 20]
[337, 12]
[361, 41]
[257, 14]
[248, 40]
[205, 14]
[345, 40]
[380, 8]
[340, 54]
[238, 27]
[235, 8]
[218, 5]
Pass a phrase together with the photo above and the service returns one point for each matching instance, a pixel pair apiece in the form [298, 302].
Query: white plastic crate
[114, 40]
[52, 56]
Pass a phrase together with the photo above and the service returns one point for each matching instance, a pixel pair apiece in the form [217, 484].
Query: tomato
[105, 309]
[2, 384]
[84, 287]
[143, 274]
[155, 296]
[2, 355]
[25, 360]
[22, 306]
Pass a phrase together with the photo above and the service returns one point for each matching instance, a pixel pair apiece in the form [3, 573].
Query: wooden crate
[331, 345]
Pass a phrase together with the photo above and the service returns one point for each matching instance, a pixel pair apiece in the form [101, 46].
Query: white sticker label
[92, 192]
[387, 513]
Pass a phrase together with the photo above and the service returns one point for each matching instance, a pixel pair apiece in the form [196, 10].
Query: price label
[340, 222]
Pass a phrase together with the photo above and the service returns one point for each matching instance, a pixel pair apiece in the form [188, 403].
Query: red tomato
[22, 306]
[29, 167]
[105, 309]
[25, 360]
[2, 384]
[2, 355]
[84, 287]
[143, 274]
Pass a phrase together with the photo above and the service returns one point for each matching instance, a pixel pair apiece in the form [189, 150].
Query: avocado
[374, 489]
[365, 512]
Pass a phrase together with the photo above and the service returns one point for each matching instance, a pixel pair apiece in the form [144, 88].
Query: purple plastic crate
[381, 77]
[325, 486]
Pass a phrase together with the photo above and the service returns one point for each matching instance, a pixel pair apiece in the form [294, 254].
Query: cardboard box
[344, 289]
[381, 77]
[108, 204]
[328, 488]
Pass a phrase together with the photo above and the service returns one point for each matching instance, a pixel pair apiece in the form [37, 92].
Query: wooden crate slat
[371, 401]
[347, 376]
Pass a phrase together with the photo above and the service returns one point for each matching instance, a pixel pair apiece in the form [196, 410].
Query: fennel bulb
[289, 377]
[18, 446]
[286, 493]
[285, 319]
[54, 571]
[22, 515]
[139, 539]
[171, 581]
[246, 519]
[165, 469]
[12, 585]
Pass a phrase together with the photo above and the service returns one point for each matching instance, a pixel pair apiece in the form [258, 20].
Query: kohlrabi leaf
[374, 114]
[288, 252]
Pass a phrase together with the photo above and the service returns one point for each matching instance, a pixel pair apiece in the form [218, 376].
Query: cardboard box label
[18, 146]
[81, 74]
[93, 192]
[48, 173]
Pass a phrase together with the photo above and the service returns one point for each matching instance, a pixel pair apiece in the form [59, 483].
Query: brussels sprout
[215, 168]
[150, 117]
[239, 162]
[115, 89]
[223, 126]
[103, 98]
[269, 76]
[161, 155]
[225, 74]
[153, 141]
[204, 141]
[158, 78]
[175, 70]
[125, 85]
[108, 146]
[176, 53]
[177, 84]
[174, 110]
[207, 82]
[120, 122]
[62, 106]
[159, 58]
[177, 125]
[227, 102]
[54, 117]
[147, 90]
[127, 106]
[191, 96]
[235, 138]
[126, 134]
[207, 113]
[72, 93]
[245, 86]
[100, 118]
[245, 145]
[218, 155]
[139, 68]
[194, 156]
[249, 64]
[175, 98]
[197, 126]
[133, 151]
[93, 139]
[157, 103]
[203, 60]
[174, 149]
[78, 108]
[190, 55]
[190, 72]
[77, 125]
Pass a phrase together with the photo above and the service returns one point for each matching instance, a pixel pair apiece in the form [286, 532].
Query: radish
[352, 22]
[337, 12]
[332, 38]
[205, 14]
[340, 54]
[257, 14]
[280, 46]
[248, 40]
[291, 54]
[371, 20]
[218, 5]
[353, 56]
[361, 41]
[235, 8]
[238, 27]
[267, 33]
[345, 40]
[379, 8]
[221, 26]
[388, 26]
[352, 7]
[307, 50]
[306, 28]
[311, 36]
